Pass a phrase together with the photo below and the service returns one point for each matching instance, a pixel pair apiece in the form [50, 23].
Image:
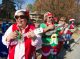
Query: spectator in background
[65, 33]
[5, 25]
[36, 23]
[72, 23]
[55, 20]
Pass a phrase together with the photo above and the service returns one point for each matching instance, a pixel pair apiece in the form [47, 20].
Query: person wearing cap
[20, 37]
[36, 23]
[72, 25]
[63, 22]
[47, 46]
[65, 33]
[69, 31]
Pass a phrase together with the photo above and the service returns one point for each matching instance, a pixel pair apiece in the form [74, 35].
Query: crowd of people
[23, 38]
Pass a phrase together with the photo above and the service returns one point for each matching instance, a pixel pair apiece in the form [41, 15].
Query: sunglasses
[21, 17]
[50, 17]
[62, 20]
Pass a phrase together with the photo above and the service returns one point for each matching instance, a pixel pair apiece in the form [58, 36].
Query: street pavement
[75, 53]
[75, 49]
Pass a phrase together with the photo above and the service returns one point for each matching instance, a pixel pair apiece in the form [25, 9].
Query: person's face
[21, 19]
[61, 21]
[36, 24]
[49, 18]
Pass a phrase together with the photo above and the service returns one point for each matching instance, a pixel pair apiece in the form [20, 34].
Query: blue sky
[30, 1]
[26, 2]
[0, 1]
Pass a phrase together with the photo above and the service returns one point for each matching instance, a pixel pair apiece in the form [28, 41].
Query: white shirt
[20, 48]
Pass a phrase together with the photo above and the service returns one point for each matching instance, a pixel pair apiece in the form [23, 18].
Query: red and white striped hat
[47, 14]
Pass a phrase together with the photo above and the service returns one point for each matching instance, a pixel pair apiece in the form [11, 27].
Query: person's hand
[31, 35]
[51, 27]
[12, 35]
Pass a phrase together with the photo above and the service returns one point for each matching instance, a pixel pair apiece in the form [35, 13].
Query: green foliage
[30, 6]
[7, 8]
[58, 7]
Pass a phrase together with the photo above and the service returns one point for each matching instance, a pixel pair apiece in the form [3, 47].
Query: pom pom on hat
[48, 14]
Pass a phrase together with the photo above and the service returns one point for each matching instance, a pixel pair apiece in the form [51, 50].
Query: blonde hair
[63, 18]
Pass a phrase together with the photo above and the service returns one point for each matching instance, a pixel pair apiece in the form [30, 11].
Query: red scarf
[49, 24]
[29, 49]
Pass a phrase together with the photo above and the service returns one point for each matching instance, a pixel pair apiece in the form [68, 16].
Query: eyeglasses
[61, 20]
[21, 16]
[34, 21]
[50, 17]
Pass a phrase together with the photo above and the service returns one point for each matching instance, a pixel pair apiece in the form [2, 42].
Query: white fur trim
[38, 31]
[71, 19]
[19, 11]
